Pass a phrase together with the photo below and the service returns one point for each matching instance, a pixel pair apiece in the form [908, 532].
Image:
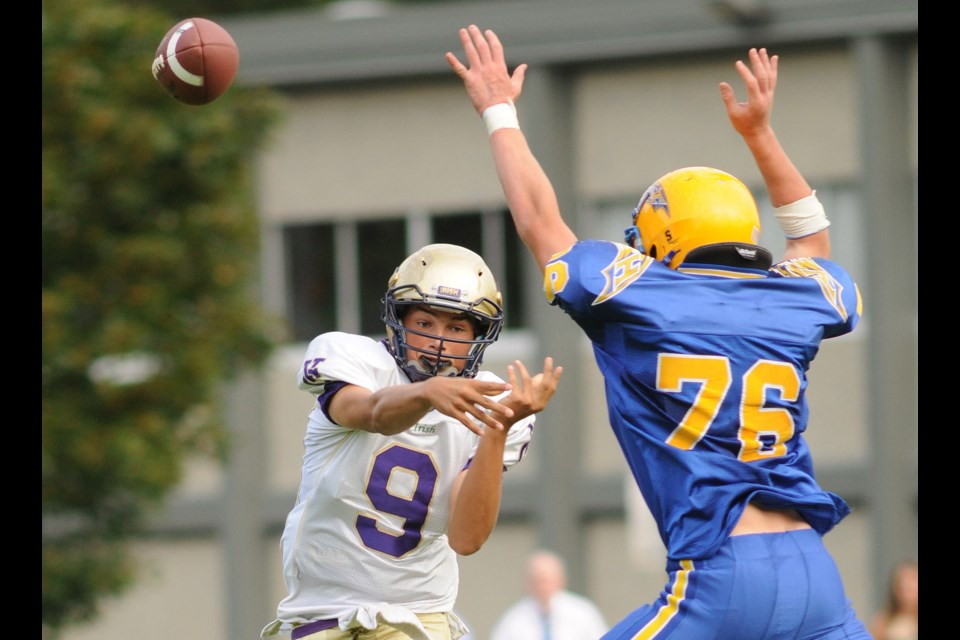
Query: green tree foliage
[149, 244]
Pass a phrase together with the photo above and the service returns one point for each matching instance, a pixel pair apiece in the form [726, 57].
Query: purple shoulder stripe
[329, 390]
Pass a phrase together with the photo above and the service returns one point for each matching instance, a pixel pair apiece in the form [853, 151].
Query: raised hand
[530, 395]
[760, 79]
[468, 401]
[485, 74]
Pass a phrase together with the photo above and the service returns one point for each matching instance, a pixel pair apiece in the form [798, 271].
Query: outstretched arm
[475, 500]
[530, 196]
[785, 184]
[394, 409]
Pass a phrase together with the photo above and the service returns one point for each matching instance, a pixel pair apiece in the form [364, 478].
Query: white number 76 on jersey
[763, 431]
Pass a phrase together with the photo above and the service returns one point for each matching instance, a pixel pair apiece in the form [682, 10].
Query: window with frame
[336, 272]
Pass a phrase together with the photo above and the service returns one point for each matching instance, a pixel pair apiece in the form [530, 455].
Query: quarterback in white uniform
[404, 455]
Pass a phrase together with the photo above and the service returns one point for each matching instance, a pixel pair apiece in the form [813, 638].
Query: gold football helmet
[449, 278]
[698, 210]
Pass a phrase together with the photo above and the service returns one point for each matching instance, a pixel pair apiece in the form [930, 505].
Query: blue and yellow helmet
[696, 208]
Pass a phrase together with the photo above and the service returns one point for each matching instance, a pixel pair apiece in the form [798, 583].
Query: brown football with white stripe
[196, 61]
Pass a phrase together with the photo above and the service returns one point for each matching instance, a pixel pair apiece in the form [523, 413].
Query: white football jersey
[370, 522]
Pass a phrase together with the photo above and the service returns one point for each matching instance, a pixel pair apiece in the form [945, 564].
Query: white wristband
[802, 218]
[500, 116]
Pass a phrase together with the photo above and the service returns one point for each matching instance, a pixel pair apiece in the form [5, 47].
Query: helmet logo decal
[629, 265]
[657, 198]
[451, 292]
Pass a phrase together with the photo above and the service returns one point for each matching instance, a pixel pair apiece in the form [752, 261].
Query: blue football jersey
[705, 375]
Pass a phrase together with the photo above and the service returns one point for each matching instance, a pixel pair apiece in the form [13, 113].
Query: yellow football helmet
[449, 278]
[698, 210]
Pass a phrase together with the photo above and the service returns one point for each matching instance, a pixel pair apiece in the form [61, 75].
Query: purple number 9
[413, 508]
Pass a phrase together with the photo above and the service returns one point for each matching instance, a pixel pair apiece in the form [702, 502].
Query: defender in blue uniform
[704, 346]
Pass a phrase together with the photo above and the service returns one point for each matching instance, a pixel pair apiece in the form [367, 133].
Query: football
[196, 61]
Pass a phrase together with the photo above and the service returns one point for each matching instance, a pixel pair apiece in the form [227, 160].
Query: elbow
[816, 245]
[467, 543]
[378, 421]
[466, 547]
[381, 428]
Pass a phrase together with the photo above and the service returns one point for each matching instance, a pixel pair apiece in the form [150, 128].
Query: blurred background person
[549, 611]
[899, 619]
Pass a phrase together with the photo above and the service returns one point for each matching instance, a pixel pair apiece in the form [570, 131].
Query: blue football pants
[766, 586]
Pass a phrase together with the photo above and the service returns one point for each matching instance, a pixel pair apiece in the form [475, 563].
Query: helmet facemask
[445, 278]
